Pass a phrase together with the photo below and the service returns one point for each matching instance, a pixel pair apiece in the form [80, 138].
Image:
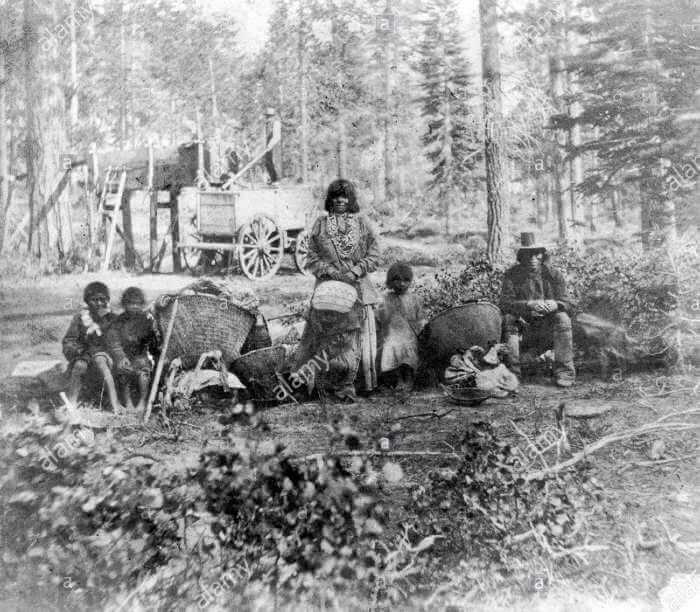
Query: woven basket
[465, 396]
[205, 323]
[259, 336]
[258, 371]
[335, 296]
[458, 328]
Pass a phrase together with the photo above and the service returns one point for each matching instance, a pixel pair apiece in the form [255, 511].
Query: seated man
[536, 307]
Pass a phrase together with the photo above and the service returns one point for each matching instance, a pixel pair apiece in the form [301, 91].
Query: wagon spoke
[261, 247]
[301, 250]
[269, 260]
[249, 254]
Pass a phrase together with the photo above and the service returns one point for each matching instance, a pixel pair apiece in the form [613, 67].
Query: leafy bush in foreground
[290, 523]
[104, 531]
[501, 517]
[77, 525]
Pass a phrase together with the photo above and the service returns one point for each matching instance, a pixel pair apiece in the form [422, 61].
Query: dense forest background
[575, 117]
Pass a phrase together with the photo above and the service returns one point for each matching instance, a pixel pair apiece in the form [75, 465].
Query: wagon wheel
[301, 251]
[260, 248]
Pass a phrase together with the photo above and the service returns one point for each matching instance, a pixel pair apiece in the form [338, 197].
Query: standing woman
[343, 247]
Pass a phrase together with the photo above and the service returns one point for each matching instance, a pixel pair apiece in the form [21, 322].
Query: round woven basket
[335, 296]
[258, 371]
[205, 323]
[465, 396]
[474, 323]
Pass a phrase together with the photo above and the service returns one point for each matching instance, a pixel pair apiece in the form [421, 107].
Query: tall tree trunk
[31, 145]
[342, 147]
[123, 92]
[592, 215]
[576, 172]
[342, 143]
[51, 135]
[303, 95]
[73, 104]
[575, 159]
[496, 198]
[175, 128]
[447, 152]
[131, 109]
[539, 201]
[388, 64]
[4, 158]
[559, 170]
[216, 145]
[615, 205]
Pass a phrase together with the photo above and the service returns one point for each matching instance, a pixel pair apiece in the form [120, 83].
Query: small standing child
[88, 344]
[137, 338]
[402, 319]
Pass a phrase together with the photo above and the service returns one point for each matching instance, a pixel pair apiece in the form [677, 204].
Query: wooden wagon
[254, 226]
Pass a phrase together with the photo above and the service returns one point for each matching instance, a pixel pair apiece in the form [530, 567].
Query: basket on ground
[205, 323]
[458, 328]
[465, 396]
[258, 370]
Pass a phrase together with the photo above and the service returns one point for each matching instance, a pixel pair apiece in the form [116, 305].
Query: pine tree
[340, 51]
[639, 75]
[449, 142]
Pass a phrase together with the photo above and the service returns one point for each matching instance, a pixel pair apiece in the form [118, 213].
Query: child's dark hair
[133, 295]
[342, 188]
[397, 272]
[93, 289]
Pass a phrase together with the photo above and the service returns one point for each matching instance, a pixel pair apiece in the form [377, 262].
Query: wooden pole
[153, 212]
[201, 174]
[161, 363]
[129, 254]
[175, 231]
[113, 226]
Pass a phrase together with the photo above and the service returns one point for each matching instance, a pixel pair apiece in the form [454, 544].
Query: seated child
[88, 345]
[402, 319]
[137, 337]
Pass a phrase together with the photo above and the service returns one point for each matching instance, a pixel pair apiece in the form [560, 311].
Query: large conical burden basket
[458, 328]
[205, 323]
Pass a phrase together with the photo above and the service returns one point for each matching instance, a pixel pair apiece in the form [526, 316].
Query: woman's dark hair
[95, 288]
[338, 188]
[398, 271]
[133, 295]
